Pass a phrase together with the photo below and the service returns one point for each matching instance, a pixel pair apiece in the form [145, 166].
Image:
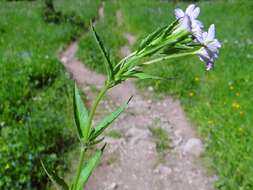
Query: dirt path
[131, 161]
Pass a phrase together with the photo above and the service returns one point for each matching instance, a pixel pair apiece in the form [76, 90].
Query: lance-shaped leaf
[108, 63]
[142, 76]
[108, 120]
[81, 114]
[170, 28]
[146, 41]
[88, 169]
[57, 181]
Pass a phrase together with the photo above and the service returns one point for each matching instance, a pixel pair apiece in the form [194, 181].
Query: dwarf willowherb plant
[184, 37]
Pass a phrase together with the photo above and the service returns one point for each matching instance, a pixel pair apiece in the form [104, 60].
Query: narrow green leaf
[143, 76]
[81, 114]
[88, 169]
[96, 141]
[108, 120]
[57, 181]
[108, 63]
[170, 28]
[147, 40]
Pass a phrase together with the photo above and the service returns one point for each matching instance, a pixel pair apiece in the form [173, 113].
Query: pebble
[112, 186]
[193, 146]
[162, 170]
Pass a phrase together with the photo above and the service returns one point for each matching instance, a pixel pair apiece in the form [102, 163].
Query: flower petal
[186, 23]
[179, 13]
[209, 66]
[199, 23]
[189, 9]
[211, 33]
[204, 35]
[214, 46]
[195, 12]
[197, 32]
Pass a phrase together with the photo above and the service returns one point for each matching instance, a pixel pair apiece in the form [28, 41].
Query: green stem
[168, 57]
[89, 124]
[95, 104]
[127, 63]
[125, 59]
[81, 161]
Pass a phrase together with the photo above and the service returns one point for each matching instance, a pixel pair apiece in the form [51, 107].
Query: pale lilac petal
[189, 9]
[214, 46]
[179, 13]
[209, 66]
[195, 12]
[217, 43]
[211, 33]
[186, 23]
[204, 52]
[197, 32]
[204, 59]
[204, 35]
[199, 23]
[209, 61]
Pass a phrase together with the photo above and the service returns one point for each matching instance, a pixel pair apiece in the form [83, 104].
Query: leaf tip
[130, 99]
[102, 149]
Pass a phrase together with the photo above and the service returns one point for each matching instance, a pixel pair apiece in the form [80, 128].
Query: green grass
[110, 33]
[217, 102]
[35, 92]
[86, 9]
[161, 140]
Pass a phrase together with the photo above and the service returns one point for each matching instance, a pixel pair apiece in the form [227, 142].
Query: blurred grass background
[35, 92]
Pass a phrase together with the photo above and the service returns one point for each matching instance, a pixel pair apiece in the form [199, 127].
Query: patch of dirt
[132, 162]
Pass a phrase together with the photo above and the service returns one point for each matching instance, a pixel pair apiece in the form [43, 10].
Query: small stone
[64, 59]
[193, 146]
[150, 88]
[162, 170]
[113, 186]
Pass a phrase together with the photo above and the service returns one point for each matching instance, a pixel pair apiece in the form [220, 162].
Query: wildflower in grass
[184, 37]
[192, 12]
[184, 25]
[209, 53]
[196, 79]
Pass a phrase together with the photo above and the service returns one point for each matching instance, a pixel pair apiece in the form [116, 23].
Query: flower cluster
[184, 37]
[188, 20]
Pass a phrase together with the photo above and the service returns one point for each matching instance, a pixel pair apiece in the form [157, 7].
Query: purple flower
[185, 24]
[192, 12]
[209, 53]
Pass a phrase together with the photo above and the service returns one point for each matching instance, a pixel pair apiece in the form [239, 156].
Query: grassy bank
[35, 92]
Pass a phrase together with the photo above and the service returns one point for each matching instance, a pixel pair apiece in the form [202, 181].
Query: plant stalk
[169, 57]
[89, 124]
[81, 161]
